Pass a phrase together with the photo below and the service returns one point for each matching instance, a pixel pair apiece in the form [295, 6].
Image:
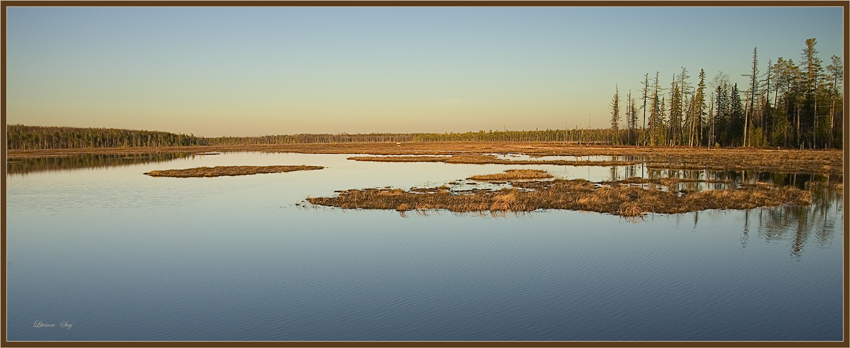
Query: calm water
[118, 255]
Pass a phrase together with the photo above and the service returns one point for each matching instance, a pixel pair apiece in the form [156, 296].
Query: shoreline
[828, 161]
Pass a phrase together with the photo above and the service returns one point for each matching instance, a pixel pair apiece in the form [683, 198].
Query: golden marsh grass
[227, 171]
[513, 174]
[607, 197]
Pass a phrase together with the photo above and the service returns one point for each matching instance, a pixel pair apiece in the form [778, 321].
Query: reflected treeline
[30, 165]
[798, 224]
[803, 224]
[697, 180]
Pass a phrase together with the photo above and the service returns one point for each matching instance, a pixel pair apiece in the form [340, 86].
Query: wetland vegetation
[513, 174]
[528, 190]
[631, 197]
[773, 160]
[227, 171]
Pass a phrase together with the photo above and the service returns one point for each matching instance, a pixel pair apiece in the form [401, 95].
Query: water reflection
[717, 180]
[23, 166]
[817, 220]
[797, 224]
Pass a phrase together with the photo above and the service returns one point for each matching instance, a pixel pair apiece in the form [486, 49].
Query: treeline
[577, 135]
[789, 105]
[312, 138]
[573, 135]
[20, 137]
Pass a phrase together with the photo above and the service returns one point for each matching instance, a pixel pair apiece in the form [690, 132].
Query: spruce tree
[736, 118]
[810, 85]
[615, 115]
[697, 112]
[836, 72]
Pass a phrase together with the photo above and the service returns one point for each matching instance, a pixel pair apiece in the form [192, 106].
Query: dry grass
[513, 174]
[489, 159]
[227, 171]
[612, 198]
[734, 159]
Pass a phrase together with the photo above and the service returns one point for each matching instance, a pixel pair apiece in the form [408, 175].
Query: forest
[790, 105]
[795, 105]
[21, 137]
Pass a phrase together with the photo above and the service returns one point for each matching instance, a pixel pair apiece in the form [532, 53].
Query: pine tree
[631, 115]
[810, 85]
[721, 109]
[697, 112]
[661, 123]
[675, 125]
[645, 88]
[654, 113]
[765, 119]
[736, 118]
[751, 96]
[615, 116]
[683, 108]
[835, 71]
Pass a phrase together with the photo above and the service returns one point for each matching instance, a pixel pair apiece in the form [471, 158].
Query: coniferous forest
[784, 104]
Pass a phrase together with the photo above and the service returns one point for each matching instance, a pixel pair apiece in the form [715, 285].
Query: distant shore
[691, 158]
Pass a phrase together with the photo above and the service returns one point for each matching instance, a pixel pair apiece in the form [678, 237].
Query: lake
[104, 253]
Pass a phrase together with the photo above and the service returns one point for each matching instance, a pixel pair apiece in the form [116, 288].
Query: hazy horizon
[254, 71]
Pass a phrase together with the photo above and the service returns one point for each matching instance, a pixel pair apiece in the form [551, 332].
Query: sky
[250, 71]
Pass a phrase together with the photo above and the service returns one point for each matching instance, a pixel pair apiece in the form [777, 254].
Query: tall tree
[645, 93]
[632, 118]
[835, 71]
[684, 105]
[710, 139]
[751, 97]
[765, 117]
[736, 118]
[810, 84]
[675, 121]
[721, 109]
[696, 112]
[789, 83]
[654, 113]
[615, 116]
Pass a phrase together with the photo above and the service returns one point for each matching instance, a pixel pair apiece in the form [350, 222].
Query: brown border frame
[396, 3]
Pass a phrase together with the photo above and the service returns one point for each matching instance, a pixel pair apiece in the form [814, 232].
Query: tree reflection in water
[25, 166]
[774, 223]
[816, 220]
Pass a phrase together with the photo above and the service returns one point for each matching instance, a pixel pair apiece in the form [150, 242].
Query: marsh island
[228, 171]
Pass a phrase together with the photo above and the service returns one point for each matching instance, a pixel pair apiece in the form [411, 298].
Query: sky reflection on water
[124, 256]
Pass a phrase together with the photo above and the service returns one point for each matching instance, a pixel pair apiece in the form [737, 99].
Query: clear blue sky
[246, 71]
